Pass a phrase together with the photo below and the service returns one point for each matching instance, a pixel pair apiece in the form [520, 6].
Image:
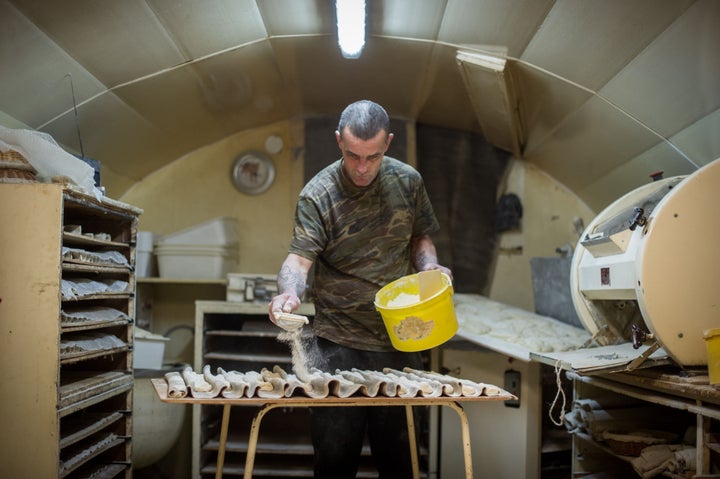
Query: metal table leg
[223, 441]
[255, 431]
[252, 441]
[465, 437]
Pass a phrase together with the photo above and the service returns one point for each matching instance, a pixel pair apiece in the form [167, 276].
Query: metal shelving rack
[239, 336]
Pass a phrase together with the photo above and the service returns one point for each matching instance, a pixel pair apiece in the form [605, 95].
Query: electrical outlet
[512, 385]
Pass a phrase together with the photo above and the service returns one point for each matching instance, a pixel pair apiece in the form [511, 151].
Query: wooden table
[267, 404]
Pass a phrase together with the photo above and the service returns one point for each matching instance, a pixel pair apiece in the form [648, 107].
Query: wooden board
[602, 359]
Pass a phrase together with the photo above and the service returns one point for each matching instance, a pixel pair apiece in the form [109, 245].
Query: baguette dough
[277, 383]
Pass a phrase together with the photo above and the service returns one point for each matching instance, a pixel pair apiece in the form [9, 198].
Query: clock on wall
[253, 172]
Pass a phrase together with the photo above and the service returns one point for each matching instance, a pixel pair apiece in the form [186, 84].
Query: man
[363, 221]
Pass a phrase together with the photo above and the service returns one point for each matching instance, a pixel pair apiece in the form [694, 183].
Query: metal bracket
[635, 363]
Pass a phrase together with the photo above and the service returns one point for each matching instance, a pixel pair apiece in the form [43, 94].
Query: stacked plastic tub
[205, 251]
[145, 264]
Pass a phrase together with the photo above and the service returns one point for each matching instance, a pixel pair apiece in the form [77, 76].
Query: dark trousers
[338, 432]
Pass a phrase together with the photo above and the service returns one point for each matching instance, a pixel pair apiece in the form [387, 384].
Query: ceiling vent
[494, 100]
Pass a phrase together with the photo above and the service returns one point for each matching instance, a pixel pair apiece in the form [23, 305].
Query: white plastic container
[216, 232]
[187, 262]
[145, 240]
[145, 264]
[149, 350]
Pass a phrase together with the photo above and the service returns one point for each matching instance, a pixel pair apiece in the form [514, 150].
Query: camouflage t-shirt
[359, 240]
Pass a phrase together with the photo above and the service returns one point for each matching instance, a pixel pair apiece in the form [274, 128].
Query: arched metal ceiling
[603, 91]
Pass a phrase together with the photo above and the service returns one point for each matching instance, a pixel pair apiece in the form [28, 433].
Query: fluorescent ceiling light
[351, 26]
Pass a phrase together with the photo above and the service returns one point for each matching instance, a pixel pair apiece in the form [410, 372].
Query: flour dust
[304, 355]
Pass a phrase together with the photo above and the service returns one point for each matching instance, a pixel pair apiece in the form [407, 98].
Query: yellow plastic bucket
[712, 343]
[415, 325]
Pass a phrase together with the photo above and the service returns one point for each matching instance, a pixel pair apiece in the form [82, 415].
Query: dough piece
[256, 383]
[199, 387]
[217, 381]
[368, 387]
[451, 386]
[277, 383]
[316, 387]
[406, 389]
[491, 390]
[466, 387]
[238, 384]
[339, 386]
[386, 386]
[428, 387]
[177, 388]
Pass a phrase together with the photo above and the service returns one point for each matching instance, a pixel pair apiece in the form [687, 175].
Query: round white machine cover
[676, 265]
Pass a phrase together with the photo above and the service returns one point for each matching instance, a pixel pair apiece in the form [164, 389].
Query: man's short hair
[365, 119]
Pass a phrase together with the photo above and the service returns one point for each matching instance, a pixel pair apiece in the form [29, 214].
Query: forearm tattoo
[423, 253]
[290, 279]
[422, 258]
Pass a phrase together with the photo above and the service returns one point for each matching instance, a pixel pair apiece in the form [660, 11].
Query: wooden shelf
[94, 269]
[94, 446]
[99, 296]
[69, 397]
[90, 424]
[682, 401]
[80, 240]
[77, 357]
[588, 439]
[90, 325]
[180, 281]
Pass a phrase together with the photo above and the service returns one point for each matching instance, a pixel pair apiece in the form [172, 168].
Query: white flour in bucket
[403, 299]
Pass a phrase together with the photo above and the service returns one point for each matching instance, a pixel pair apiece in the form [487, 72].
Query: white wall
[505, 441]
[547, 222]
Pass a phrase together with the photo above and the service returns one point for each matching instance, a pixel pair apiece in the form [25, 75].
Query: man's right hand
[285, 302]
[291, 285]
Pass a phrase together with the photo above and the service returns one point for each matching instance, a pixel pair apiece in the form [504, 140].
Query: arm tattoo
[423, 252]
[290, 279]
[422, 258]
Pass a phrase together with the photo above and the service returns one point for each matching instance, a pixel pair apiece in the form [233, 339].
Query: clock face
[253, 172]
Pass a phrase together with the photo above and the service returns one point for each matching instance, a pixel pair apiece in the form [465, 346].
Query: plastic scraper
[430, 283]
[290, 321]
